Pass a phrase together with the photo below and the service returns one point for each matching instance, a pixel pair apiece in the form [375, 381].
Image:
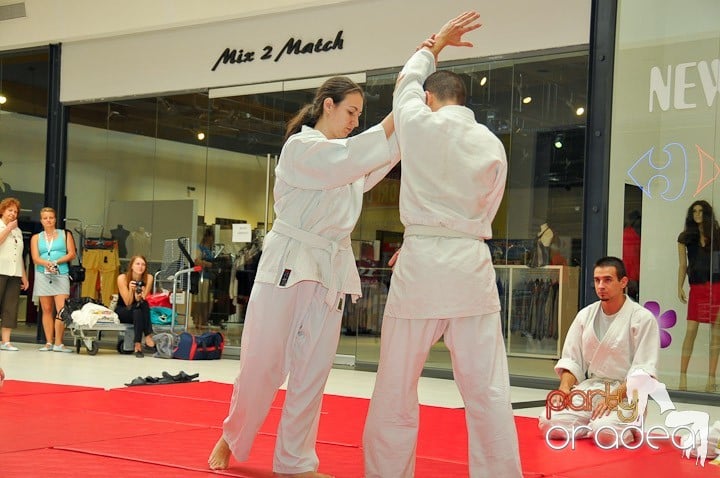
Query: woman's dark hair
[335, 88]
[710, 227]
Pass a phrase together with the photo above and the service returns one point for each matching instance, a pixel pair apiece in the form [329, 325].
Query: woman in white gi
[292, 324]
[608, 340]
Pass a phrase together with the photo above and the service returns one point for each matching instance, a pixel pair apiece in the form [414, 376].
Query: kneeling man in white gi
[608, 340]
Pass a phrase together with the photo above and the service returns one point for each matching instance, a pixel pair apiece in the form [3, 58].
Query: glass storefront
[664, 171]
[23, 133]
[536, 106]
[143, 172]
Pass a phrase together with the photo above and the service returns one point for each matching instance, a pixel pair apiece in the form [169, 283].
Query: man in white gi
[608, 340]
[292, 323]
[453, 179]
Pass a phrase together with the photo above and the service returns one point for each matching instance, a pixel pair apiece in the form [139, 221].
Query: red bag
[159, 299]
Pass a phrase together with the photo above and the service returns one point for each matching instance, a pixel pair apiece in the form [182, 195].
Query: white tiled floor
[108, 369]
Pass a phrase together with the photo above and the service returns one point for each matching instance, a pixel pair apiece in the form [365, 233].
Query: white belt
[436, 231]
[316, 241]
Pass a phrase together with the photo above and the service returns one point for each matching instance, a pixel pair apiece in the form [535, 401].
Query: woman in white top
[292, 323]
[52, 251]
[12, 269]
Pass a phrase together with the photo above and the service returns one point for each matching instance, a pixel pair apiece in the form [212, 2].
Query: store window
[195, 164]
[23, 127]
[161, 171]
[536, 106]
[23, 133]
[664, 171]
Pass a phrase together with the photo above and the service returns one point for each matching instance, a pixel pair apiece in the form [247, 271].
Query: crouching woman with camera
[133, 287]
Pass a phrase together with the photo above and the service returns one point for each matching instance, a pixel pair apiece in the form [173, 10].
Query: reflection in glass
[219, 154]
[23, 130]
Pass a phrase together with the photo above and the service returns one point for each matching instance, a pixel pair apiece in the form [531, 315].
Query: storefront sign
[675, 85]
[291, 47]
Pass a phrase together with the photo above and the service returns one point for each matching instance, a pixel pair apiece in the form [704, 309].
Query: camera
[139, 286]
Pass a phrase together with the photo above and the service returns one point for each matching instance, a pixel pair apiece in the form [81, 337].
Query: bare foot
[149, 341]
[307, 474]
[220, 456]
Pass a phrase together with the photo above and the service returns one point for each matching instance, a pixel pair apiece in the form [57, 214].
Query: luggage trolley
[90, 336]
[177, 268]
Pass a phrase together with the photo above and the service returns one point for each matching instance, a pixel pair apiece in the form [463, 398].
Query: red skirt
[704, 302]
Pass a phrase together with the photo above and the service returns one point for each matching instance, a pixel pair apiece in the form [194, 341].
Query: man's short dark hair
[611, 261]
[447, 86]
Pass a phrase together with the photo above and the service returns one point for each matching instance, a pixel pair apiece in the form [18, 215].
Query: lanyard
[48, 243]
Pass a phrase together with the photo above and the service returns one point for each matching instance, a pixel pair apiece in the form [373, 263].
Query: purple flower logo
[665, 321]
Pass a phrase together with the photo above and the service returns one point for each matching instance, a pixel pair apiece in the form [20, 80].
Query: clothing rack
[536, 272]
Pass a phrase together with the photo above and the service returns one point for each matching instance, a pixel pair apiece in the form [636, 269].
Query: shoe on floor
[62, 348]
[139, 354]
[46, 348]
[9, 347]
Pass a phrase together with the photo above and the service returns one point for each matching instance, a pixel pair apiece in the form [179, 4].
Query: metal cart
[90, 336]
[176, 274]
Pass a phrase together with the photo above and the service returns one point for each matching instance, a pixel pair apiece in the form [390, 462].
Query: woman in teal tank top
[52, 251]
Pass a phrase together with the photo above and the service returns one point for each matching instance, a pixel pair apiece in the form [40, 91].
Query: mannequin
[698, 254]
[543, 239]
[138, 243]
[120, 234]
[545, 235]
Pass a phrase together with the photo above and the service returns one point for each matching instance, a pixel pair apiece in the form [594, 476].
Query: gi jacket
[631, 343]
[318, 194]
[453, 178]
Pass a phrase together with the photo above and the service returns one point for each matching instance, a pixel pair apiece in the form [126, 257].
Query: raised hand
[452, 32]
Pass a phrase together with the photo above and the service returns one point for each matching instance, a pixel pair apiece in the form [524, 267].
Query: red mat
[54, 463]
[168, 430]
[16, 388]
[189, 411]
[341, 461]
[537, 457]
[665, 465]
[26, 429]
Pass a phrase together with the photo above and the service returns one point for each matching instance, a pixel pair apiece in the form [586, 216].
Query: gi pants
[287, 331]
[570, 419]
[480, 368]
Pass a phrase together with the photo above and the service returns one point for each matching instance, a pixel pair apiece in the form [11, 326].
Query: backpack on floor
[208, 346]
